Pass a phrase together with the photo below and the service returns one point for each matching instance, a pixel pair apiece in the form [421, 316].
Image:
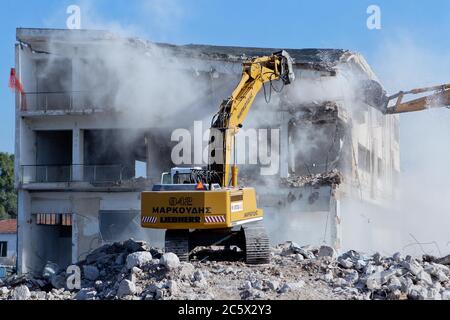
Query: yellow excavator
[204, 207]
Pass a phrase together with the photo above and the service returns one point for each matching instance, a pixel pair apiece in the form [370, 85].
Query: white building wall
[11, 239]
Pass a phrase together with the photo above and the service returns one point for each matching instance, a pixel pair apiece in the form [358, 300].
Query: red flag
[14, 83]
[12, 78]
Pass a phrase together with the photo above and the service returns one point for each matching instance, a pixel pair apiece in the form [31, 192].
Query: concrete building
[94, 125]
[8, 242]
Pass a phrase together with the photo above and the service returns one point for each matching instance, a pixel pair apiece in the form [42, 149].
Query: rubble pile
[133, 270]
[333, 177]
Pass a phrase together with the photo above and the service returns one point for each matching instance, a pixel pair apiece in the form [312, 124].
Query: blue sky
[407, 26]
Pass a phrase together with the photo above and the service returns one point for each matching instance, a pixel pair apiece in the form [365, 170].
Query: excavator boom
[233, 111]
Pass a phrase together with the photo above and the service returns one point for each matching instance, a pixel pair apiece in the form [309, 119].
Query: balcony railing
[64, 101]
[75, 173]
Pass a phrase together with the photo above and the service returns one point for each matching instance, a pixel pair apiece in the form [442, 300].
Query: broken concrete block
[126, 287]
[138, 259]
[58, 281]
[4, 291]
[133, 246]
[397, 257]
[352, 276]
[377, 279]
[50, 269]
[299, 257]
[407, 283]
[95, 255]
[186, 270]
[21, 293]
[257, 284]
[91, 272]
[327, 277]
[120, 259]
[437, 271]
[445, 295]
[155, 286]
[170, 260]
[360, 264]
[425, 277]
[434, 294]
[394, 283]
[86, 294]
[247, 285]
[339, 282]
[377, 258]
[417, 292]
[172, 286]
[444, 260]
[272, 284]
[327, 251]
[307, 254]
[292, 286]
[198, 275]
[345, 262]
[412, 266]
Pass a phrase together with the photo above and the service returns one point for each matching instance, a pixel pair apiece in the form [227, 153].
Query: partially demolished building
[94, 125]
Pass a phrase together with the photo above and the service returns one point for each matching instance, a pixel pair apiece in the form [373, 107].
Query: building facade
[95, 126]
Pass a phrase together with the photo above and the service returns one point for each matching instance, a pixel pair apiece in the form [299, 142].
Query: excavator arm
[372, 93]
[233, 111]
[440, 98]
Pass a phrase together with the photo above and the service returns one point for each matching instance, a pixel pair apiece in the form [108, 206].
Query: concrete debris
[91, 272]
[272, 284]
[117, 271]
[86, 294]
[327, 251]
[292, 286]
[444, 260]
[345, 263]
[333, 177]
[4, 291]
[138, 259]
[50, 269]
[21, 293]
[170, 260]
[126, 288]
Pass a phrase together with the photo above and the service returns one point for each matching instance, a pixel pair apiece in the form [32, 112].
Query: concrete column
[337, 225]
[77, 154]
[24, 229]
[75, 251]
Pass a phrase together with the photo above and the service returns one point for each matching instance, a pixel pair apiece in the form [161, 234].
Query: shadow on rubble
[217, 254]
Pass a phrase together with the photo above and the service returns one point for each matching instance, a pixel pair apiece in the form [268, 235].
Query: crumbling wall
[86, 232]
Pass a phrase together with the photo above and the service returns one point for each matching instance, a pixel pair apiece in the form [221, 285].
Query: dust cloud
[423, 204]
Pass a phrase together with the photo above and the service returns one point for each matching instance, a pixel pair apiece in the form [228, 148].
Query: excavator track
[256, 243]
[177, 241]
